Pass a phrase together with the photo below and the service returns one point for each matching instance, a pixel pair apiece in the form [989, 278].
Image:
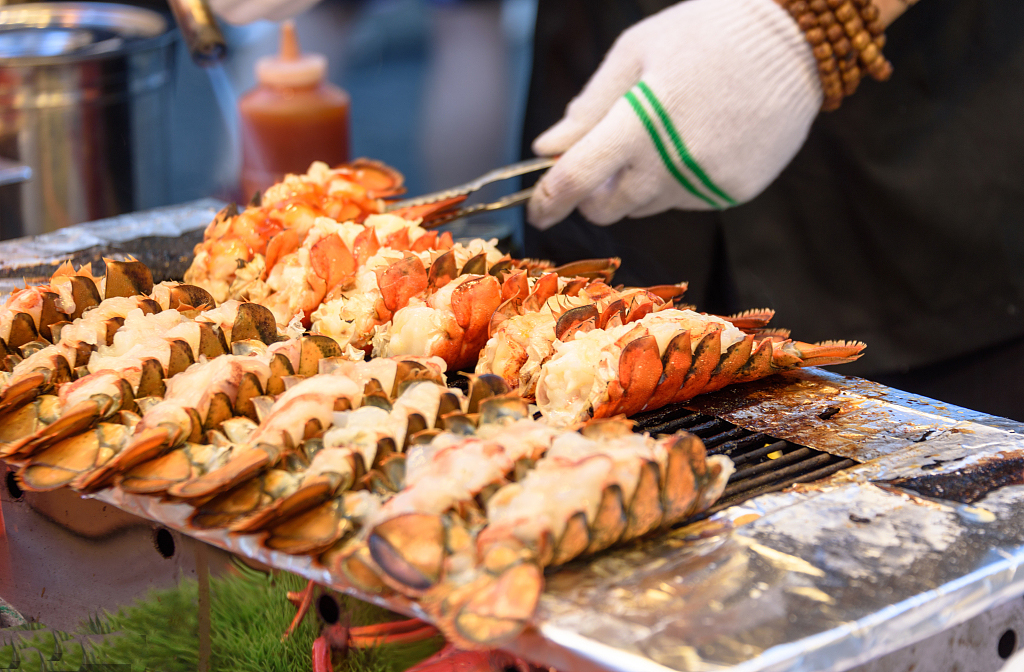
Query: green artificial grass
[249, 612]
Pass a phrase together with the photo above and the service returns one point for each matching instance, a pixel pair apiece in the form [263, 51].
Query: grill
[830, 550]
[763, 463]
[836, 542]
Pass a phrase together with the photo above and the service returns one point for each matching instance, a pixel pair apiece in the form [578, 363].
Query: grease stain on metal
[966, 485]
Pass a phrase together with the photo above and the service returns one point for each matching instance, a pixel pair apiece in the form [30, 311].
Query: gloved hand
[699, 106]
[240, 12]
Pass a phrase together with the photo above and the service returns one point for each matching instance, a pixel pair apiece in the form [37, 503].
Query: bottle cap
[291, 67]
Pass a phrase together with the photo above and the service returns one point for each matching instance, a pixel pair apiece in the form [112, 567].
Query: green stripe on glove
[737, 89]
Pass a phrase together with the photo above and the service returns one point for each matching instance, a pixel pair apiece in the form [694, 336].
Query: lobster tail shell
[127, 278]
[67, 460]
[410, 550]
[487, 605]
[669, 356]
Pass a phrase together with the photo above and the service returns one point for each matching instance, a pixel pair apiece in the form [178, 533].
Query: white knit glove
[698, 107]
[240, 12]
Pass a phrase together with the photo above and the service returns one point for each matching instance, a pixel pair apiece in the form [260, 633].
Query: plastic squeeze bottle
[292, 117]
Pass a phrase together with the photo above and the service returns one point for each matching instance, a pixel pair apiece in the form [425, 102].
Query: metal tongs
[457, 195]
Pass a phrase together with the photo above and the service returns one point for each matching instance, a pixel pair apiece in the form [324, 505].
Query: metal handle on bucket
[12, 172]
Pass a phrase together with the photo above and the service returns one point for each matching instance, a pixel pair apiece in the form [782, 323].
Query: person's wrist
[847, 37]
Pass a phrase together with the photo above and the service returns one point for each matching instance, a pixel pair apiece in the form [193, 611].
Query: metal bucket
[84, 104]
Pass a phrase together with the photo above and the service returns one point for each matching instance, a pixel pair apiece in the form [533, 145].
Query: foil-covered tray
[162, 238]
[820, 577]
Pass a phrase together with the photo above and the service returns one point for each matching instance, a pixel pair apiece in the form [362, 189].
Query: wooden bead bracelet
[846, 37]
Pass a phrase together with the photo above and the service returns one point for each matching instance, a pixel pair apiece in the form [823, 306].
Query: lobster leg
[393, 632]
[302, 601]
[431, 214]
[602, 269]
[322, 655]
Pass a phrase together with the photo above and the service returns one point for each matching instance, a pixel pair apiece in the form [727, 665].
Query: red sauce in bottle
[292, 117]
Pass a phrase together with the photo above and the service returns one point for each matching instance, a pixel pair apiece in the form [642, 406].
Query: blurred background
[438, 89]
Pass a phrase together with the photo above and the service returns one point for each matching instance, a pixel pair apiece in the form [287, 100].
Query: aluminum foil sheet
[820, 577]
[163, 238]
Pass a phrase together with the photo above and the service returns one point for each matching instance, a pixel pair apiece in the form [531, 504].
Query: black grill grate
[763, 463]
